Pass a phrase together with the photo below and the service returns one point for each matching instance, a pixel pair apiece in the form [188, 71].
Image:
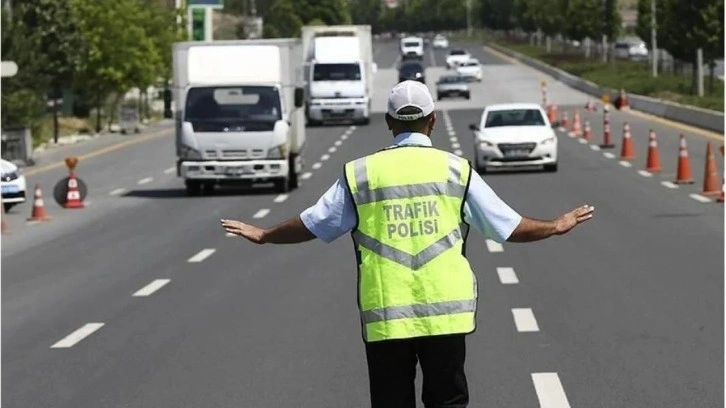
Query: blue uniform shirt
[334, 213]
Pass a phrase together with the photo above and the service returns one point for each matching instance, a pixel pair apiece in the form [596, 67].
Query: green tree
[368, 12]
[498, 14]
[282, 20]
[582, 19]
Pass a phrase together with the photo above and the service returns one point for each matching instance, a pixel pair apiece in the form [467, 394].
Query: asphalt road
[626, 311]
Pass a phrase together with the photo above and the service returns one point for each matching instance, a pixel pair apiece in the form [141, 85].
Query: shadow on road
[217, 192]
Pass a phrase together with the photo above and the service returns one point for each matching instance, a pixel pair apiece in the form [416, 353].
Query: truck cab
[412, 48]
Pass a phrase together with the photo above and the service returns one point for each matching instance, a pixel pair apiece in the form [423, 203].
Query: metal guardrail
[690, 115]
[17, 145]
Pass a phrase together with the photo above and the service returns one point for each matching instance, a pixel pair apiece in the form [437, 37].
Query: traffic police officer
[409, 207]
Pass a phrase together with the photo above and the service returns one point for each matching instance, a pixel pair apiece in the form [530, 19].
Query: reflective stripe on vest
[413, 278]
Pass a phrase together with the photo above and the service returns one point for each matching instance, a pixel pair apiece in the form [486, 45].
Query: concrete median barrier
[689, 115]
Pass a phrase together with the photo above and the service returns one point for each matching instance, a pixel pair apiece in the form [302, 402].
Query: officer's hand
[568, 221]
[252, 233]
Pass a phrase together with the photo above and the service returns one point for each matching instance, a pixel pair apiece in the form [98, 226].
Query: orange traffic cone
[721, 198]
[38, 213]
[563, 121]
[710, 176]
[590, 106]
[588, 131]
[627, 152]
[576, 125]
[683, 175]
[552, 113]
[624, 103]
[653, 163]
[73, 197]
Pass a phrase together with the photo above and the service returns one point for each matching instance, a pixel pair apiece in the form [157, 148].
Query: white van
[412, 47]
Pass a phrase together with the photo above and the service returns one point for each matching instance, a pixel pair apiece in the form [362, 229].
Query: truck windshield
[216, 109]
[411, 44]
[336, 72]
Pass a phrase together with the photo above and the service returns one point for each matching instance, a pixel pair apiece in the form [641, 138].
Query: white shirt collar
[409, 138]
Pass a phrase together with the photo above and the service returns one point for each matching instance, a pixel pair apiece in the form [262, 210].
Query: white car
[514, 135]
[440, 42]
[412, 47]
[12, 181]
[470, 70]
[456, 57]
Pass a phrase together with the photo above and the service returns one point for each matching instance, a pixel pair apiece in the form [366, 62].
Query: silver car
[452, 86]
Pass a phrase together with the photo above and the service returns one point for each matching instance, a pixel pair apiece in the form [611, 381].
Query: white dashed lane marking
[281, 198]
[609, 155]
[507, 276]
[145, 180]
[455, 145]
[458, 152]
[625, 163]
[306, 176]
[152, 287]
[700, 198]
[118, 191]
[338, 143]
[583, 141]
[453, 139]
[202, 255]
[332, 149]
[645, 173]
[261, 213]
[317, 165]
[549, 390]
[324, 157]
[668, 184]
[524, 320]
[595, 147]
[229, 234]
[494, 246]
[78, 335]
[344, 137]
[170, 170]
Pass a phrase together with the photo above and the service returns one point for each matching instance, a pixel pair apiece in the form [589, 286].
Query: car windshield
[457, 52]
[471, 64]
[411, 44]
[336, 72]
[514, 117]
[214, 109]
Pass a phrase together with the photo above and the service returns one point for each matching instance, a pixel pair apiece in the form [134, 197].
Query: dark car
[411, 70]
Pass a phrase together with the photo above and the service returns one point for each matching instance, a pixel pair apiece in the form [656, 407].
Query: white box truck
[239, 116]
[339, 73]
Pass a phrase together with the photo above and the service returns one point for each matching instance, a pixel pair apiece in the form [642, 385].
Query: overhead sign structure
[200, 18]
[8, 68]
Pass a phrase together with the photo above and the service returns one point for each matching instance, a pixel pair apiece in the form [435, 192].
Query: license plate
[516, 153]
[240, 170]
[10, 189]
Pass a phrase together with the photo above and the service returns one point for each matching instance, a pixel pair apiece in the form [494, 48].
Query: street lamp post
[653, 39]
[468, 18]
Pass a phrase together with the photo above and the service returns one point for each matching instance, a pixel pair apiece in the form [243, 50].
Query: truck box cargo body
[339, 71]
[239, 112]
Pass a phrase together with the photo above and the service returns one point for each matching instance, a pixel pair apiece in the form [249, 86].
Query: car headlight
[484, 144]
[418, 75]
[277, 152]
[549, 140]
[188, 153]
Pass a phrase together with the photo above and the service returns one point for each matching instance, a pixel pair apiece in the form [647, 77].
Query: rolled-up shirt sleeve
[488, 213]
[333, 215]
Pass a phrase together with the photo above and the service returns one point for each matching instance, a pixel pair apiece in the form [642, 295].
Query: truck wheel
[293, 179]
[282, 185]
[194, 188]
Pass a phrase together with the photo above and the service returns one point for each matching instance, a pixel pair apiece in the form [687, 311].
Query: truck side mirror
[167, 104]
[299, 97]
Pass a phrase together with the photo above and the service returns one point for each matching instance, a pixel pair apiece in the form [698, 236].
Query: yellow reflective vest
[413, 278]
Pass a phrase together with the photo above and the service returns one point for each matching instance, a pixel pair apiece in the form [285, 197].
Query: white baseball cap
[410, 94]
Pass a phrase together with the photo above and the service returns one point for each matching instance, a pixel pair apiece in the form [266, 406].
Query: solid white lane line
[668, 184]
[333, 149]
[201, 255]
[595, 147]
[524, 320]
[645, 173]
[609, 155]
[549, 390]
[170, 170]
[338, 143]
[281, 198]
[700, 198]
[261, 213]
[625, 164]
[306, 176]
[317, 165]
[507, 276]
[324, 157]
[455, 145]
[458, 152]
[78, 335]
[494, 246]
[152, 287]
[118, 191]
[145, 180]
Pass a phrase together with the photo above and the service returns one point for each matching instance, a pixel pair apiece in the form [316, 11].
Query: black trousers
[392, 371]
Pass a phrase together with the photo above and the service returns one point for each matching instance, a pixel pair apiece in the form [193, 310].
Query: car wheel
[550, 168]
[468, 96]
[194, 188]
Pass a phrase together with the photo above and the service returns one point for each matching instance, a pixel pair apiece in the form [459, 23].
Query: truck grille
[236, 154]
